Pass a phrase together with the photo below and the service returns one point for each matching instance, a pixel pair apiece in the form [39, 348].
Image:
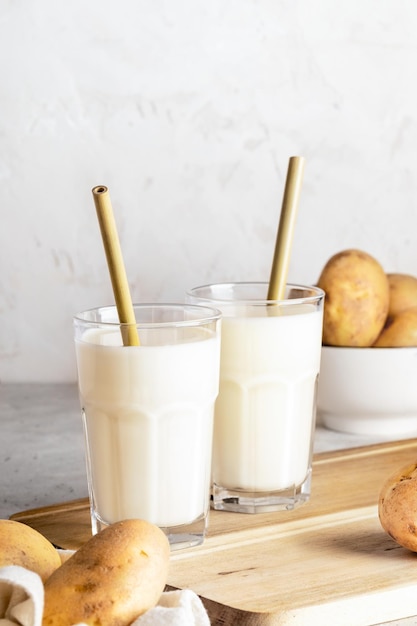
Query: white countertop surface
[42, 448]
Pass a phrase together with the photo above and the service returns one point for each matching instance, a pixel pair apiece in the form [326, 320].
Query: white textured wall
[188, 110]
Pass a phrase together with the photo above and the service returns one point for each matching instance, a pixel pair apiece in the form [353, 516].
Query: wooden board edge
[70, 505]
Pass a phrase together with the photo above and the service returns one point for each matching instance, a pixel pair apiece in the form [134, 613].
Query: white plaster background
[188, 110]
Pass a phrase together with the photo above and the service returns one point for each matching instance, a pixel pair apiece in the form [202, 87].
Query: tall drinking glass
[148, 415]
[266, 408]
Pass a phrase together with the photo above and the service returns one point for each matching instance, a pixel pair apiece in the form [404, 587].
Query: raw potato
[400, 330]
[397, 507]
[112, 579]
[403, 293]
[357, 299]
[22, 545]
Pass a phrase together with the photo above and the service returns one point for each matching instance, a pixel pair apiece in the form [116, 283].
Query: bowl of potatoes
[368, 374]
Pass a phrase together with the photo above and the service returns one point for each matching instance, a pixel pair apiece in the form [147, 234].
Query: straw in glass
[116, 265]
[281, 260]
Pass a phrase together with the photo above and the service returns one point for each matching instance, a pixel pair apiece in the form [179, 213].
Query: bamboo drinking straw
[116, 265]
[281, 261]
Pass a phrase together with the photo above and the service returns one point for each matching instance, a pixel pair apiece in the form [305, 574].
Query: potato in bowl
[368, 375]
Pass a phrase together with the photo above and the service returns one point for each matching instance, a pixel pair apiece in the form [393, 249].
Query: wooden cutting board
[327, 563]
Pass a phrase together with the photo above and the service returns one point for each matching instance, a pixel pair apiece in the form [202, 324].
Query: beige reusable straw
[281, 261]
[116, 265]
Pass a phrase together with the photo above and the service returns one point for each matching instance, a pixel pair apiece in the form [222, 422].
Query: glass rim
[313, 297]
[208, 315]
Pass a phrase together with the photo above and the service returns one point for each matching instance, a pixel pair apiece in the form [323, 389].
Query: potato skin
[357, 299]
[403, 293]
[112, 579]
[397, 507]
[400, 330]
[22, 545]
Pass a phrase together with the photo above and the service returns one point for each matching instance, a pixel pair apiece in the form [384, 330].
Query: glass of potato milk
[266, 408]
[148, 415]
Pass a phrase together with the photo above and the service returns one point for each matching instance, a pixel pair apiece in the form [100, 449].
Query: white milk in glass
[265, 409]
[148, 414]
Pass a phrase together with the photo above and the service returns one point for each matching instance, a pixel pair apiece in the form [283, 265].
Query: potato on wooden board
[357, 299]
[403, 293]
[400, 330]
[397, 507]
[112, 579]
[22, 545]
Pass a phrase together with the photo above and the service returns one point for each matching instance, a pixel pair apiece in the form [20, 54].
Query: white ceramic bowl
[368, 390]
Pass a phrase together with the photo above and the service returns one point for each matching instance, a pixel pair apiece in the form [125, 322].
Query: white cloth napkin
[176, 608]
[22, 593]
[21, 597]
